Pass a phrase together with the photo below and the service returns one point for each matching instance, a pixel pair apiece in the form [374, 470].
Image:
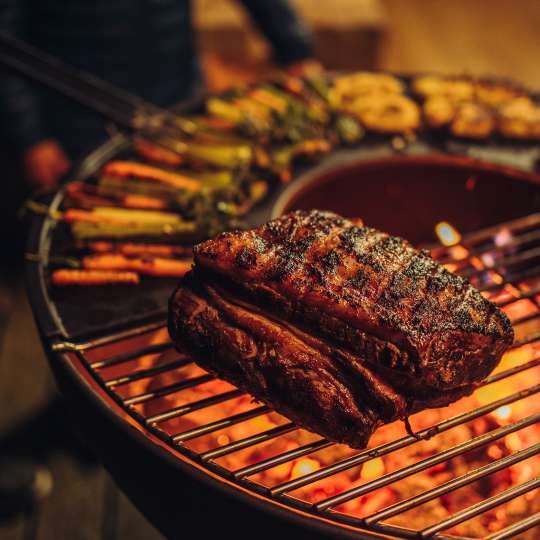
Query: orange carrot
[217, 123]
[134, 200]
[154, 152]
[65, 277]
[149, 266]
[102, 247]
[156, 250]
[75, 214]
[313, 146]
[133, 168]
[86, 196]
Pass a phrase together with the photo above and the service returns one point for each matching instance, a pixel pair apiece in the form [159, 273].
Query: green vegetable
[245, 122]
[114, 186]
[183, 231]
[348, 129]
[226, 156]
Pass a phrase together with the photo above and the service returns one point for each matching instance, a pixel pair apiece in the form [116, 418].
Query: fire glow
[448, 236]
[302, 464]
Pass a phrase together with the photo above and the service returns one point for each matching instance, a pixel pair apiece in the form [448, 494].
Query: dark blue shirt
[144, 46]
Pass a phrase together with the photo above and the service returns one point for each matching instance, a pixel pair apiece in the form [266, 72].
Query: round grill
[204, 427]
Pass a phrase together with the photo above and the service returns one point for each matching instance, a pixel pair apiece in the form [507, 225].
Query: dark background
[478, 36]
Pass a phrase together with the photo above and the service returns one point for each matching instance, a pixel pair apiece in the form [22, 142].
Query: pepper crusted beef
[338, 326]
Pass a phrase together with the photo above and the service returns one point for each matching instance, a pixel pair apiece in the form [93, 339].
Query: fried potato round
[520, 119]
[453, 88]
[387, 114]
[473, 121]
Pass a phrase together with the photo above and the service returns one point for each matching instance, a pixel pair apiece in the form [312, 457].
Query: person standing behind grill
[144, 46]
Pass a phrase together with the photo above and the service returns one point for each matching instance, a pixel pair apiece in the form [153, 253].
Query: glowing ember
[494, 452]
[223, 440]
[447, 234]
[513, 442]
[503, 237]
[304, 466]
[458, 253]
[373, 469]
[503, 413]
[488, 259]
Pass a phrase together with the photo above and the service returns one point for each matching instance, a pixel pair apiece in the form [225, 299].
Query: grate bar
[487, 234]
[526, 318]
[68, 346]
[509, 280]
[424, 464]
[504, 262]
[525, 341]
[126, 357]
[169, 389]
[323, 443]
[516, 528]
[282, 458]
[145, 373]
[492, 248]
[193, 406]
[523, 296]
[249, 441]
[220, 424]
[455, 483]
[481, 507]
[512, 371]
[367, 454]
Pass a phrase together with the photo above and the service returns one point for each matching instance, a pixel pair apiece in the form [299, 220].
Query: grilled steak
[338, 326]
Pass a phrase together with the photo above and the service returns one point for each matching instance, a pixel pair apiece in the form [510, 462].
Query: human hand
[44, 164]
[305, 68]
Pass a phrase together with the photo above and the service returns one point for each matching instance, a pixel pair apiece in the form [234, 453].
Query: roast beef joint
[337, 326]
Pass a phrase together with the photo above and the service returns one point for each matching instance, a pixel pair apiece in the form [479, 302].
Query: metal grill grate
[160, 389]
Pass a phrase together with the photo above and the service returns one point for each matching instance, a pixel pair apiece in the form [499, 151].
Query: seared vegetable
[148, 172]
[224, 156]
[182, 231]
[105, 214]
[143, 265]
[283, 158]
[130, 249]
[89, 196]
[348, 129]
[154, 152]
[241, 119]
[137, 216]
[65, 277]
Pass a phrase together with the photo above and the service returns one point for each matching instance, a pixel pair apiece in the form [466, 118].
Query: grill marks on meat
[369, 291]
[338, 326]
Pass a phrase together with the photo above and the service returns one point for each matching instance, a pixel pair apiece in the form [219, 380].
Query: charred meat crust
[340, 328]
[370, 292]
[278, 369]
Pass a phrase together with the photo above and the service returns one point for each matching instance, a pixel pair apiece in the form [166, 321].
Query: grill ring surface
[77, 380]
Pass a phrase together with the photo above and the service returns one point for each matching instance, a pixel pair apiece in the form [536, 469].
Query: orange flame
[304, 466]
[373, 469]
[447, 234]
